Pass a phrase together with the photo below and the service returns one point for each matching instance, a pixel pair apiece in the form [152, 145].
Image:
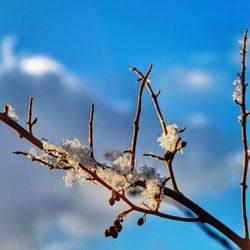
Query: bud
[114, 234]
[112, 229]
[117, 197]
[140, 222]
[183, 144]
[111, 201]
[117, 224]
[107, 233]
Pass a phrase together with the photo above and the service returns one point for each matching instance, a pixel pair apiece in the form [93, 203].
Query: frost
[168, 141]
[74, 174]
[69, 177]
[122, 164]
[152, 193]
[237, 94]
[148, 172]
[11, 113]
[76, 159]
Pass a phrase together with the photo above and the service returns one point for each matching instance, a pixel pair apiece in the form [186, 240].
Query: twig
[162, 122]
[137, 118]
[29, 122]
[244, 137]
[90, 138]
[154, 99]
[154, 156]
[33, 158]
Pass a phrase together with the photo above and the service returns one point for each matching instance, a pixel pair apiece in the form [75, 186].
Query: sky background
[68, 54]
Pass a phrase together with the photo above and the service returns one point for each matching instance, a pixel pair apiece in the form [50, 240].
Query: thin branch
[244, 138]
[162, 122]
[90, 137]
[29, 122]
[154, 156]
[49, 165]
[22, 133]
[137, 118]
[154, 99]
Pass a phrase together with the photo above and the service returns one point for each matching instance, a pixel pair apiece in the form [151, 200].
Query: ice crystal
[11, 113]
[122, 164]
[168, 141]
[152, 193]
[237, 94]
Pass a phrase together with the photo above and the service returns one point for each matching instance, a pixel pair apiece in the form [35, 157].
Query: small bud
[140, 222]
[111, 201]
[112, 229]
[183, 144]
[115, 234]
[117, 197]
[117, 224]
[107, 233]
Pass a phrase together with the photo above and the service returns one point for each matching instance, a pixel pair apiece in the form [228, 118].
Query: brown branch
[22, 133]
[154, 156]
[154, 99]
[162, 122]
[90, 137]
[29, 122]
[137, 118]
[33, 158]
[244, 115]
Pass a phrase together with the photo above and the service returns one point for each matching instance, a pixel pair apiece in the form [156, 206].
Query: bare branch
[168, 163]
[154, 156]
[244, 115]
[29, 122]
[137, 118]
[90, 138]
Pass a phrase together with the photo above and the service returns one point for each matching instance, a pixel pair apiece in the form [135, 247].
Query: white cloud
[188, 79]
[7, 53]
[40, 65]
[198, 79]
[36, 66]
[198, 119]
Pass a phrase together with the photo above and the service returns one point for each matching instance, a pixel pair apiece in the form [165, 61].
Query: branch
[29, 122]
[244, 115]
[90, 138]
[154, 96]
[137, 118]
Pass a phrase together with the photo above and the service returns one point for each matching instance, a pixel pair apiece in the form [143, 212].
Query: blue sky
[68, 54]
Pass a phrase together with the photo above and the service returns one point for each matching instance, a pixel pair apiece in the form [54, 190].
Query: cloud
[39, 65]
[198, 119]
[193, 79]
[7, 53]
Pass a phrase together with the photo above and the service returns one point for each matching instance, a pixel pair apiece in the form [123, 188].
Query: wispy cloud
[7, 53]
[188, 79]
[198, 119]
